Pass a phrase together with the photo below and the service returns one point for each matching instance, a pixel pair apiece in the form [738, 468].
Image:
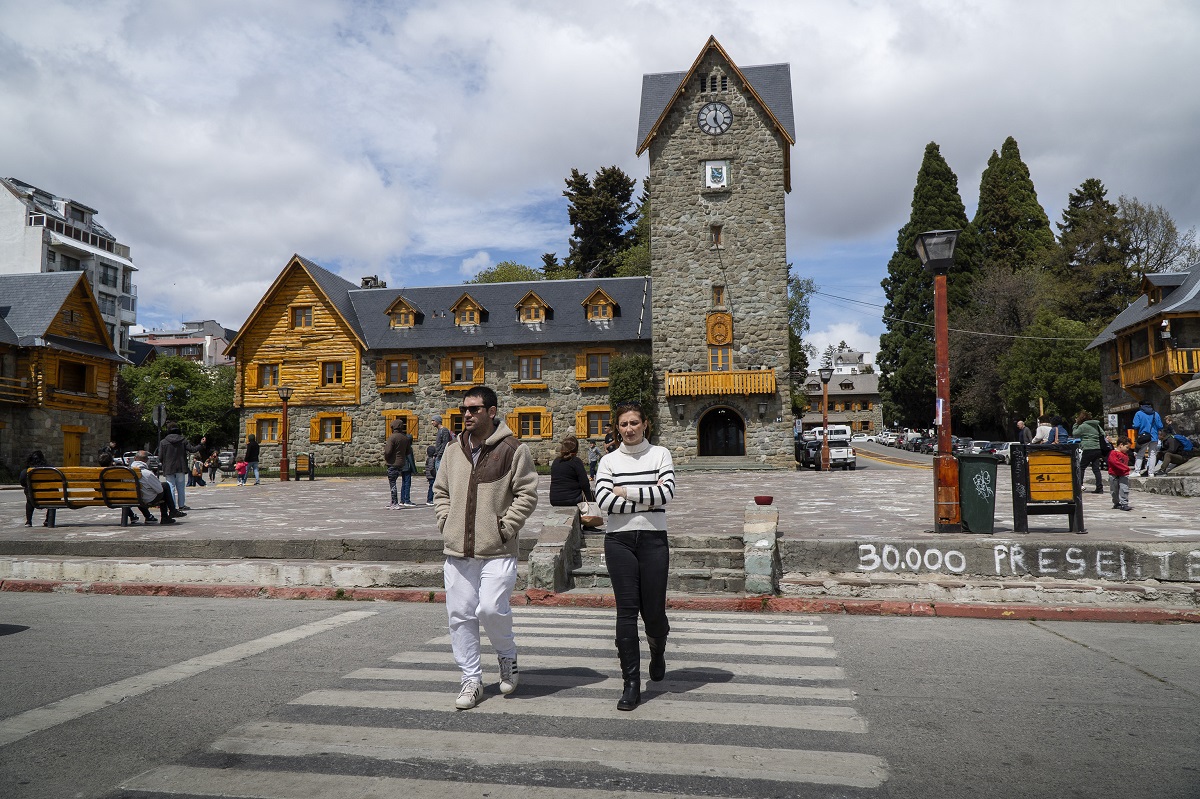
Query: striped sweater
[648, 475]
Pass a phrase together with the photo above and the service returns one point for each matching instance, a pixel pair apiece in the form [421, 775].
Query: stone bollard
[556, 552]
[760, 535]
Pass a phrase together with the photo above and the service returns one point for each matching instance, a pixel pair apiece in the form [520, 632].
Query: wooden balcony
[15, 390]
[703, 384]
[1170, 367]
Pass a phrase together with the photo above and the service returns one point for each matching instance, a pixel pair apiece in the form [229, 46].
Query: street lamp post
[936, 251]
[285, 393]
[826, 373]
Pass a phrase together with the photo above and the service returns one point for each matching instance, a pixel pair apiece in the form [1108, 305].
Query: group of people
[1156, 450]
[401, 461]
[484, 492]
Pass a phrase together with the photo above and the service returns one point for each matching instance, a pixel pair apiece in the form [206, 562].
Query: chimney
[373, 282]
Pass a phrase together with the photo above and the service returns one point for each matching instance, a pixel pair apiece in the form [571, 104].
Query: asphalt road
[177, 697]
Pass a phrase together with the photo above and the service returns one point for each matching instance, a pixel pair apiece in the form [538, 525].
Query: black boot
[658, 657]
[629, 650]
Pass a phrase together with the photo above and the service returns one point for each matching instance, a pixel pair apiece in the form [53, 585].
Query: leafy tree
[506, 272]
[631, 379]
[906, 352]
[600, 215]
[635, 261]
[1012, 225]
[800, 291]
[1060, 372]
[827, 356]
[199, 398]
[1095, 283]
[1155, 243]
[553, 270]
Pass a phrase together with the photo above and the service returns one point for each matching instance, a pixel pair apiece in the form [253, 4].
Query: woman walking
[1090, 435]
[633, 485]
[569, 484]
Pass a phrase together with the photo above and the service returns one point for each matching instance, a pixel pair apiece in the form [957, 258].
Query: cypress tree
[906, 351]
[1012, 225]
[600, 214]
[1095, 282]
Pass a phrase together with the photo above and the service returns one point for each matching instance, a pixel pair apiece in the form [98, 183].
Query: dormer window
[468, 312]
[532, 309]
[402, 319]
[600, 307]
[77, 214]
[402, 314]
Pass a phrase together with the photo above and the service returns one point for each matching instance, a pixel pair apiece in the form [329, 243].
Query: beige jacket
[482, 507]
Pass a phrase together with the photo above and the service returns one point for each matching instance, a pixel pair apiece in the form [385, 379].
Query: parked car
[153, 461]
[225, 459]
[979, 447]
[1000, 449]
[928, 446]
[861, 438]
[962, 445]
[841, 454]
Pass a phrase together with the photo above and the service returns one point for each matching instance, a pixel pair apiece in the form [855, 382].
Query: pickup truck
[841, 454]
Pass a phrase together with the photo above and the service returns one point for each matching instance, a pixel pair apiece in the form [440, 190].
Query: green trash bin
[977, 492]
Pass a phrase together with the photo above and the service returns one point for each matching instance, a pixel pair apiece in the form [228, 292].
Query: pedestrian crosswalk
[751, 706]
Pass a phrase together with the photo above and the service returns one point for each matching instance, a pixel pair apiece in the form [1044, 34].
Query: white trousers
[1150, 448]
[478, 590]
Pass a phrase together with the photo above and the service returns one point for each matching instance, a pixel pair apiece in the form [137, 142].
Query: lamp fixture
[680, 409]
[826, 373]
[762, 410]
[935, 248]
[285, 393]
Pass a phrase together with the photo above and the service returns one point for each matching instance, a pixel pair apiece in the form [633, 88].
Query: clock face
[714, 118]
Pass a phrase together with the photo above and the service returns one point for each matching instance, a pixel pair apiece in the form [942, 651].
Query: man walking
[441, 437]
[1024, 434]
[173, 456]
[395, 454]
[484, 492]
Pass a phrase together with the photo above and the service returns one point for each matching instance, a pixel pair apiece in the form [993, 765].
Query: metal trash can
[977, 492]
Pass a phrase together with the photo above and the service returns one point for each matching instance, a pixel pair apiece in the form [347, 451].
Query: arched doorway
[721, 432]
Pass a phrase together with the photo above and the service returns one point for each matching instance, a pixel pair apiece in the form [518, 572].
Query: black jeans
[1090, 457]
[637, 565]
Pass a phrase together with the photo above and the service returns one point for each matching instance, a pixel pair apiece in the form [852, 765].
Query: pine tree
[1095, 283]
[906, 352]
[1012, 226]
[600, 215]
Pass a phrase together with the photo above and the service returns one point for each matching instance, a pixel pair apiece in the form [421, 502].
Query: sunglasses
[472, 409]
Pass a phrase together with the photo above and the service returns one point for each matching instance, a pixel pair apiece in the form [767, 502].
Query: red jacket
[1118, 463]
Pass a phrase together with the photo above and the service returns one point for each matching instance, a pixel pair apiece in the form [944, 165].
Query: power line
[952, 329]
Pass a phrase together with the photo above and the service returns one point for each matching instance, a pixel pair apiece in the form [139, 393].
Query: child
[430, 471]
[240, 468]
[1118, 474]
[212, 464]
[197, 478]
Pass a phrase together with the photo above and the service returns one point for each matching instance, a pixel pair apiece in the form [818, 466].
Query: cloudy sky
[424, 141]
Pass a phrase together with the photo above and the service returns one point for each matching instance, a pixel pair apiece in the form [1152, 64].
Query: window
[402, 319]
[397, 372]
[532, 313]
[718, 359]
[590, 421]
[266, 430]
[724, 82]
[597, 366]
[108, 304]
[599, 310]
[466, 316]
[77, 214]
[268, 375]
[108, 275]
[455, 424]
[599, 306]
[530, 425]
[331, 373]
[331, 428]
[411, 424]
[70, 264]
[462, 370]
[718, 296]
[51, 255]
[529, 368]
[302, 316]
[73, 377]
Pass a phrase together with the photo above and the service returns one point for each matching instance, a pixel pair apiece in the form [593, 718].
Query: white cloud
[409, 139]
[849, 332]
[474, 265]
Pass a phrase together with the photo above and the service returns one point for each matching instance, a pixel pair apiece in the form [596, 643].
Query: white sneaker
[470, 695]
[508, 675]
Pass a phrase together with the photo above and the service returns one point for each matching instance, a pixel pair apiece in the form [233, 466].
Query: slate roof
[772, 83]
[7, 334]
[30, 301]
[1184, 299]
[338, 289]
[568, 325]
[36, 199]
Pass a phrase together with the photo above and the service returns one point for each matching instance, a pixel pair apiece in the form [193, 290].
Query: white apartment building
[205, 342]
[42, 232]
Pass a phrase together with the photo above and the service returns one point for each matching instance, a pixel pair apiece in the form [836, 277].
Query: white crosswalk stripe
[749, 703]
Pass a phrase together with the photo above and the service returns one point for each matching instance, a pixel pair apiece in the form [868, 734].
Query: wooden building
[1153, 346]
[58, 369]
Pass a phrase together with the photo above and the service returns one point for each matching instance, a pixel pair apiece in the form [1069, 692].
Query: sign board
[1112, 420]
[160, 415]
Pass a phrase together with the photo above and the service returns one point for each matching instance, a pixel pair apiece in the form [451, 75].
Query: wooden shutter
[346, 429]
[380, 372]
[581, 366]
[547, 424]
[513, 420]
[250, 377]
[446, 419]
[314, 429]
[447, 377]
[581, 425]
[412, 371]
[477, 373]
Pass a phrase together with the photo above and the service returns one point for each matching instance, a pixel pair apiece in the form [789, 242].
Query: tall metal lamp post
[935, 248]
[826, 373]
[285, 394]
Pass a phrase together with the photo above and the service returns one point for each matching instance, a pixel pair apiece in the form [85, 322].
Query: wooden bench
[69, 487]
[306, 465]
[1045, 481]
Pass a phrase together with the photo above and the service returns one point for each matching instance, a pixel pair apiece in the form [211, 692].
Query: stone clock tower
[720, 139]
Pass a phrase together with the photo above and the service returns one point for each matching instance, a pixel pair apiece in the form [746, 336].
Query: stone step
[729, 541]
[682, 558]
[691, 581]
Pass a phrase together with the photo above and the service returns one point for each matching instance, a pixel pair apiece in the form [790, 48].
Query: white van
[835, 431]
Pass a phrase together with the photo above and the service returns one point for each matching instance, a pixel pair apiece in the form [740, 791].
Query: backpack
[1184, 442]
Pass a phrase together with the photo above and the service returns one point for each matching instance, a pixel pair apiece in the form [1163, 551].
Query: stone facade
[23, 430]
[563, 398]
[750, 260]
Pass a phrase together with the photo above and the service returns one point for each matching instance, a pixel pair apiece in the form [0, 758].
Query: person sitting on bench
[150, 491]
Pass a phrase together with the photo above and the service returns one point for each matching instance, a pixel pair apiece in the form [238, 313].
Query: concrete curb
[543, 598]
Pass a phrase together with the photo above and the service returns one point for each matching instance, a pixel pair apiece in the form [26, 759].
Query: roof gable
[34, 300]
[770, 85]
